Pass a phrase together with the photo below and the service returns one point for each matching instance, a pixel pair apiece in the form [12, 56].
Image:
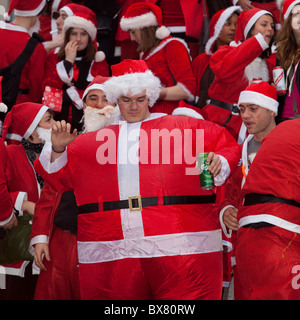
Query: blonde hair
[287, 48]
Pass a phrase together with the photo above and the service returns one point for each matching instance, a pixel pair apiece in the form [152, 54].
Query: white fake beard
[35, 27]
[257, 69]
[44, 134]
[95, 119]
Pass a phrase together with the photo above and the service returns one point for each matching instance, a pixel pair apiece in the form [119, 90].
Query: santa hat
[288, 5]
[261, 94]
[22, 120]
[73, 8]
[246, 21]
[24, 8]
[132, 76]
[185, 109]
[97, 83]
[216, 24]
[143, 14]
[85, 19]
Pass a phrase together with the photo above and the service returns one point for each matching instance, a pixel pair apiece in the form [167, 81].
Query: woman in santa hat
[236, 66]
[26, 128]
[74, 65]
[221, 28]
[288, 54]
[167, 57]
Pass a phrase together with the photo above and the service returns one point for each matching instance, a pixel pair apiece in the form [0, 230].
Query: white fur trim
[264, 45]
[75, 97]
[219, 25]
[6, 17]
[79, 22]
[30, 13]
[162, 32]
[182, 111]
[258, 99]
[93, 87]
[99, 56]
[134, 83]
[35, 122]
[289, 9]
[145, 20]
[253, 19]
[67, 10]
[191, 97]
[3, 107]
[61, 70]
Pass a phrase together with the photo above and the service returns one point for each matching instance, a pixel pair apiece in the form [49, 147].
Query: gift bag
[52, 98]
[15, 243]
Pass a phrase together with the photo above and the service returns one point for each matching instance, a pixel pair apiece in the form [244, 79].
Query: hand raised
[62, 136]
[71, 51]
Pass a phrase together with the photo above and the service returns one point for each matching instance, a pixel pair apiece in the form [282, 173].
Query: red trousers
[187, 277]
[61, 279]
[267, 264]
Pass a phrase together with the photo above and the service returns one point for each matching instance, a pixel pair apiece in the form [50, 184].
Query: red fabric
[6, 204]
[199, 65]
[33, 71]
[171, 63]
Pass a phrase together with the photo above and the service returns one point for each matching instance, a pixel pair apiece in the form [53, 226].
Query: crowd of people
[100, 142]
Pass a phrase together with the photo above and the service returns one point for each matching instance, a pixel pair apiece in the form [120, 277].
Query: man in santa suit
[54, 226]
[258, 105]
[268, 240]
[15, 36]
[146, 229]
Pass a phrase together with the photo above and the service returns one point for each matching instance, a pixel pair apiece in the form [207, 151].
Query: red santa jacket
[171, 63]
[109, 231]
[56, 75]
[275, 171]
[5, 200]
[21, 177]
[15, 39]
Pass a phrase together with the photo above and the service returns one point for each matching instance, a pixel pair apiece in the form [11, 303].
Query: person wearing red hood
[221, 29]
[26, 128]
[236, 66]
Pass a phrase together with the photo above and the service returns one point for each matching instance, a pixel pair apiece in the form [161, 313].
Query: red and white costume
[234, 68]
[270, 254]
[174, 235]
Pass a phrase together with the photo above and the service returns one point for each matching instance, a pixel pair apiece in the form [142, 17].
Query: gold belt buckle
[131, 208]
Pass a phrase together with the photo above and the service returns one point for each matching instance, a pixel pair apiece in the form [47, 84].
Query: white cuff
[2, 223]
[224, 173]
[75, 97]
[224, 228]
[37, 239]
[191, 97]
[262, 41]
[19, 201]
[61, 70]
[45, 158]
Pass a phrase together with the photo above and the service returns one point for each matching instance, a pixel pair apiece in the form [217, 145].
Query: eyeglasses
[140, 101]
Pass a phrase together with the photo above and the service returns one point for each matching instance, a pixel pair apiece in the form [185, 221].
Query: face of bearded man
[95, 119]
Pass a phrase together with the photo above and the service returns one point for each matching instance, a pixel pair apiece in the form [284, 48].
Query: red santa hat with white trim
[86, 19]
[144, 14]
[24, 8]
[216, 24]
[262, 94]
[287, 8]
[246, 21]
[22, 120]
[132, 76]
[96, 83]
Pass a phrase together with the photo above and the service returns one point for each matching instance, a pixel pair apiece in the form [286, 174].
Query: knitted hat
[143, 14]
[132, 76]
[84, 18]
[24, 8]
[246, 21]
[261, 94]
[22, 120]
[216, 24]
[97, 83]
[288, 5]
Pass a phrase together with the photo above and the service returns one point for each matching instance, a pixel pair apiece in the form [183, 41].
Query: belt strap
[257, 198]
[225, 105]
[137, 203]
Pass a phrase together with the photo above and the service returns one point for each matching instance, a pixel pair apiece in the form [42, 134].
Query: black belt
[137, 203]
[263, 1]
[257, 198]
[225, 105]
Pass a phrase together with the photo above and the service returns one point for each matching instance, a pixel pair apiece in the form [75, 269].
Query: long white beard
[44, 134]
[95, 119]
[257, 69]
